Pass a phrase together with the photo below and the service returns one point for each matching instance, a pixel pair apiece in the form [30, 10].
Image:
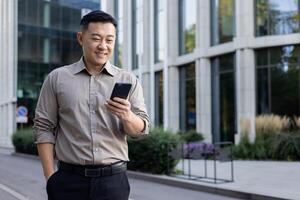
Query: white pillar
[166, 88]
[151, 61]
[8, 61]
[245, 68]
[203, 72]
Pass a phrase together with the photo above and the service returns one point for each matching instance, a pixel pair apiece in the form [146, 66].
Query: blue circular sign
[22, 111]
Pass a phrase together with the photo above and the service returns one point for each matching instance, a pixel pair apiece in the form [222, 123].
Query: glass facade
[46, 40]
[222, 21]
[187, 95]
[158, 30]
[119, 15]
[137, 32]
[278, 80]
[159, 106]
[223, 98]
[277, 17]
[187, 26]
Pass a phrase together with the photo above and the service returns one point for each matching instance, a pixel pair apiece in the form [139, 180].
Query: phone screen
[121, 90]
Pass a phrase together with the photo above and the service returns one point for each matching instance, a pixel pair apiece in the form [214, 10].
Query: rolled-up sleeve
[45, 121]
[138, 105]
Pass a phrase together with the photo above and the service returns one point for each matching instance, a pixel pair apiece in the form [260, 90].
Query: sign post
[22, 115]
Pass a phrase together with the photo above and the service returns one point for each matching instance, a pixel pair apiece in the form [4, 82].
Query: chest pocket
[72, 94]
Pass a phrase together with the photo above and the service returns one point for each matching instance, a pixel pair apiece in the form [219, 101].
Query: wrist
[129, 118]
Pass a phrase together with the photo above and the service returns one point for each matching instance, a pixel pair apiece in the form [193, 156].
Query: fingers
[118, 106]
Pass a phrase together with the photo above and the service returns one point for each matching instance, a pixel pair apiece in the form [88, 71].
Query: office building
[38, 36]
[204, 64]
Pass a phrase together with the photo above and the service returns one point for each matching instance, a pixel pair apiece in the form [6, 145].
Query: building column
[245, 69]
[245, 89]
[8, 69]
[174, 99]
[203, 72]
[203, 98]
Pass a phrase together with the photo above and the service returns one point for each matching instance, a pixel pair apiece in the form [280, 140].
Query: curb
[183, 183]
[192, 185]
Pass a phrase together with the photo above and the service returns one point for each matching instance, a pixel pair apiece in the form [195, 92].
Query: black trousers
[64, 185]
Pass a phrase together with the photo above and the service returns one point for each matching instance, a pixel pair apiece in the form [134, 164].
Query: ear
[79, 38]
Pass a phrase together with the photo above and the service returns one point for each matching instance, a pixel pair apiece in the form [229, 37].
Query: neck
[93, 69]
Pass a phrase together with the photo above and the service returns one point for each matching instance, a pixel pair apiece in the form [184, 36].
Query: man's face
[97, 43]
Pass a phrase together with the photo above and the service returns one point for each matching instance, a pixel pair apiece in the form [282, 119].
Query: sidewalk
[260, 180]
[252, 179]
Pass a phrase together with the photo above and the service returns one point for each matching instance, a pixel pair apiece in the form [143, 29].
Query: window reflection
[187, 27]
[278, 81]
[187, 97]
[159, 98]
[223, 98]
[137, 35]
[46, 40]
[275, 17]
[158, 30]
[222, 19]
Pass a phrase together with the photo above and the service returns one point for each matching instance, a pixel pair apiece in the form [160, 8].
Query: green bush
[23, 141]
[150, 154]
[286, 146]
[190, 136]
[281, 146]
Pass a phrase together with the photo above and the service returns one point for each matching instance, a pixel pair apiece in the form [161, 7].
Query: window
[276, 17]
[222, 20]
[137, 35]
[187, 97]
[119, 40]
[223, 98]
[159, 117]
[278, 80]
[158, 30]
[46, 40]
[187, 26]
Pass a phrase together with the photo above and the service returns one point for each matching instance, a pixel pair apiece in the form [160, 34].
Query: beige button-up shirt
[71, 114]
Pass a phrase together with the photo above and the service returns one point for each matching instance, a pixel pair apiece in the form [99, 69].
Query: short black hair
[97, 16]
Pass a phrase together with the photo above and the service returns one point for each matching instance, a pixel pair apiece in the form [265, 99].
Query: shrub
[190, 136]
[23, 141]
[271, 124]
[244, 149]
[151, 153]
[286, 146]
[297, 122]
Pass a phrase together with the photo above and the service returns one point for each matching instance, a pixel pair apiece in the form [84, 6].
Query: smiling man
[77, 123]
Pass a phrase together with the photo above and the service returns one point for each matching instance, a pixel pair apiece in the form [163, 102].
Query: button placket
[93, 114]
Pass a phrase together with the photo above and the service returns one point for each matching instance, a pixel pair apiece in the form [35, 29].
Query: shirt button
[96, 149]
[93, 112]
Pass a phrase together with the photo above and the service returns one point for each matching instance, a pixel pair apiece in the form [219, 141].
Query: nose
[101, 45]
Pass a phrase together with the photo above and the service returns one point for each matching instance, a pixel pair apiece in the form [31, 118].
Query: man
[76, 122]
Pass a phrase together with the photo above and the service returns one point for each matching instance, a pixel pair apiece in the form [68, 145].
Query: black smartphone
[121, 90]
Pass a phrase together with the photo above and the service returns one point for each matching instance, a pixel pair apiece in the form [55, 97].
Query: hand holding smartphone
[121, 90]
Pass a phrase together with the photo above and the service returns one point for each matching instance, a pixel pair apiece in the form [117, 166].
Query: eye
[95, 39]
[109, 41]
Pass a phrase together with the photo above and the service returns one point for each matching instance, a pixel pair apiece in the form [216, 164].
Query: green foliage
[286, 146]
[23, 141]
[190, 136]
[282, 146]
[150, 154]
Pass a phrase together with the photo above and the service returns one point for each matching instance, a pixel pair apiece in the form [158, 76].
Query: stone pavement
[261, 180]
[252, 179]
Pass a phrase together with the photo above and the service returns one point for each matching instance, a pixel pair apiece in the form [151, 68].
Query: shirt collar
[109, 68]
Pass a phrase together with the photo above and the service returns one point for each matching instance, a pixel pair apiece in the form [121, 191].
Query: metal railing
[201, 161]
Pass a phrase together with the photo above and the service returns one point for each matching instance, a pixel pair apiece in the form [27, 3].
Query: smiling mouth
[101, 54]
